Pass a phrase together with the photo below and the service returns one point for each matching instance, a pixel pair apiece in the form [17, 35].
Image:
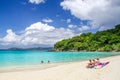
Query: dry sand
[66, 71]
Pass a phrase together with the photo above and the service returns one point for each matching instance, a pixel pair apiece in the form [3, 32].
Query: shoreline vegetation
[107, 40]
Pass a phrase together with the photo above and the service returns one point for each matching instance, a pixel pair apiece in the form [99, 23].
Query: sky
[42, 23]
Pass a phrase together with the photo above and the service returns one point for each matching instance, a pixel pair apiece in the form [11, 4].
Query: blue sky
[33, 23]
[17, 15]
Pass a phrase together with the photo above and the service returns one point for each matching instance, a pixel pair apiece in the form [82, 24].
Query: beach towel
[101, 65]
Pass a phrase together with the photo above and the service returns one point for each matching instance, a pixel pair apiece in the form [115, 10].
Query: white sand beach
[67, 71]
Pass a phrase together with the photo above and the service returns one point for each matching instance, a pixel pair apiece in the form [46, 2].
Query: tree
[107, 40]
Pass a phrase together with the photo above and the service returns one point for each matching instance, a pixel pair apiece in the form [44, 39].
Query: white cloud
[72, 26]
[36, 1]
[37, 34]
[47, 20]
[68, 20]
[83, 28]
[40, 26]
[101, 13]
[10, 37]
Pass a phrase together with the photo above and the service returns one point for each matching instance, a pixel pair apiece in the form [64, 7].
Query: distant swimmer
[42, 62]
[48, 61]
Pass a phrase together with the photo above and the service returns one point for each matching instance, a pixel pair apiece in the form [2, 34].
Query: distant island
[107, 40]
[34, 48]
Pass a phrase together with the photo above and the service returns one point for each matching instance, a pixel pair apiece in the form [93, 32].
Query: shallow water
[9, 58]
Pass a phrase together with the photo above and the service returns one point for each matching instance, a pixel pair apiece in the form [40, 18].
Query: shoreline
[68, 71]
[31, 67]
[42, 66]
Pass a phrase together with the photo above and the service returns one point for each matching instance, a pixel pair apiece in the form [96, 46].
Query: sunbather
[90, 64]
[96, 64]
[97, 61]
[100, 64]
[93, 62]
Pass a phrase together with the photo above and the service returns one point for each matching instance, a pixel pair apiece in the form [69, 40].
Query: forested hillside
[108, 40]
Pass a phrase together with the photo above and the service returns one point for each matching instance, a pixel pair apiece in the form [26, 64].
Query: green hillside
[108, 40]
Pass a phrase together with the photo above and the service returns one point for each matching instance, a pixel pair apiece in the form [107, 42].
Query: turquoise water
[22, 58]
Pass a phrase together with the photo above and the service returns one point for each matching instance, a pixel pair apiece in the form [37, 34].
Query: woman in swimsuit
[90, 64]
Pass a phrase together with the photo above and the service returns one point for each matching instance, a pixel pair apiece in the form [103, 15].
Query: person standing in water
[48, 61]
[42, 62]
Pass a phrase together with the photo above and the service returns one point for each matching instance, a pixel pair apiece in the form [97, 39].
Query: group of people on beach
[43, 62]
[95, 63]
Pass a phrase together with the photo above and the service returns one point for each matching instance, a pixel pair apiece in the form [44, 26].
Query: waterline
[28, 58]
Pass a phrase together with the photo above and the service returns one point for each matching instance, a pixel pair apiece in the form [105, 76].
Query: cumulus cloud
[47, 20]
[36, 1]
[10, 39]
[72, 26]
[83, 28]
[100, 13]
[36, 34]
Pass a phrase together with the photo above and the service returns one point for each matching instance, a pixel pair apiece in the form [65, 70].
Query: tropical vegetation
[107, 40]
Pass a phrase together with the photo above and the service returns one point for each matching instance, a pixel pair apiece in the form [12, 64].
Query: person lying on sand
[90, 64]
[96, 64]
[97, 60]
[93, 62]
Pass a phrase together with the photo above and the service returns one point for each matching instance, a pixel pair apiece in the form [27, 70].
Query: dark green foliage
[108, 40]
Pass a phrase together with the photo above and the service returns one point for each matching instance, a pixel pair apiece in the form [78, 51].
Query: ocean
[11, 58]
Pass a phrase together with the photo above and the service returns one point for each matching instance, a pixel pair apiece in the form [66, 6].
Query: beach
[66, 71]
